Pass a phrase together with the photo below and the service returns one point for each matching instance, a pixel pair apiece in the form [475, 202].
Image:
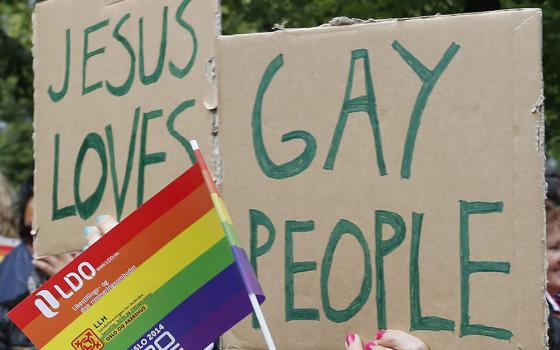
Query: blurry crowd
[8, 233]
[552, 293]
[18, 277]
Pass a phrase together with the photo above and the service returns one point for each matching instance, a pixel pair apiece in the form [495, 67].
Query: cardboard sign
[120, 88]
[390, 175]
[168, 277]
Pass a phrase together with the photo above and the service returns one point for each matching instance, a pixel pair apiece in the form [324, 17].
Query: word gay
[365, 103]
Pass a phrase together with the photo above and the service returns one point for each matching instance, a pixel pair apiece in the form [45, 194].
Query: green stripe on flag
[231, 234]
[172, 293]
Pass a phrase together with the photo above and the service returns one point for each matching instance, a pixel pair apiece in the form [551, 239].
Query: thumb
[399, 340]
[353, 342]
[105, 223]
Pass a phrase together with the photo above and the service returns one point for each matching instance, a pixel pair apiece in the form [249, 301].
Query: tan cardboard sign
[120, 87]
[390, 175]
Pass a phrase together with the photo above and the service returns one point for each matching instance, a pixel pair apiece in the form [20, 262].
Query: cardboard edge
[35, 67]
[39, 250]
[534, 112]
[217, 163]
[112, 2]
[371, 22]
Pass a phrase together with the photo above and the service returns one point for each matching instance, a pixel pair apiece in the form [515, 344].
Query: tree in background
[241, 16]
[16, 91]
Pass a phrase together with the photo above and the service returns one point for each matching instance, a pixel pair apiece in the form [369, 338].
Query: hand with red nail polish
[386, 340]
[399, 340]
[353, 341]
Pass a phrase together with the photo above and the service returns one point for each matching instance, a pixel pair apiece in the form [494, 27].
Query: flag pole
[262, 322]
[252, 297]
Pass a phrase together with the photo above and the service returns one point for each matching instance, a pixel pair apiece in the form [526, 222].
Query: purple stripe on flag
[221, 320]
[215, 297]
[247, 272]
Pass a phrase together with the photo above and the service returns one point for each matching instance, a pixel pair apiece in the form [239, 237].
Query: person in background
[553, 183]
[553, 273]
[16, 275]
[20, 274]
[7, 218]
[552, 292]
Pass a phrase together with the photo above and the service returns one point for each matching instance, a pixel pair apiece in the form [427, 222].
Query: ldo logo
[47, 303]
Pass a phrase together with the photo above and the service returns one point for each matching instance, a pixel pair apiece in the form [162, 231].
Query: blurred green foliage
[16, 91]
[241, 16]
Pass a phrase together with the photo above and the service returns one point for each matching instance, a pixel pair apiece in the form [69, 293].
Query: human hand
[386, 340]
[50, 265]
[103, 224]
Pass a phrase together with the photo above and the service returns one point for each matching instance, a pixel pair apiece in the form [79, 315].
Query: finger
[48, 259]
[51, 264]
[92, 234]
[399, 340]
[105, 223]
[65, 259]
[372, 345]
[45, 266]
[353, 342]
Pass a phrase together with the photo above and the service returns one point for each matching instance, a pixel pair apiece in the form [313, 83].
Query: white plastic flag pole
[262, 322]
[252, 296]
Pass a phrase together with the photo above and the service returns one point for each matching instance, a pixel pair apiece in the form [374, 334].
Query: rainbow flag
[7, 245]
[170, 276]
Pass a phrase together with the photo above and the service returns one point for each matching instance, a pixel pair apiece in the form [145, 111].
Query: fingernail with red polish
[379, 334]
[350, 338]
[370, 345]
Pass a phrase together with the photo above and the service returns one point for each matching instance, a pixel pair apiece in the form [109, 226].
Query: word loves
[47, 303]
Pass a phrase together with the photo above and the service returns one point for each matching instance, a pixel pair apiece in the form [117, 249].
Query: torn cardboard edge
[211, 103]
[35, 57]
[344, 21]
[341, 21]
[112, 2]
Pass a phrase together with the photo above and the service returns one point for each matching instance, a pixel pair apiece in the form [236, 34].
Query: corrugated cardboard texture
[112, 80]
[474, 147]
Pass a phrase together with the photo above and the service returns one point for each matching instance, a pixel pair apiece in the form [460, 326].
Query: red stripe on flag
[205, 172]
[4, 249]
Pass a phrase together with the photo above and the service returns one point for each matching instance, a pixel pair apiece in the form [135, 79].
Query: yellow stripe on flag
[148, 277]
[221, 207]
